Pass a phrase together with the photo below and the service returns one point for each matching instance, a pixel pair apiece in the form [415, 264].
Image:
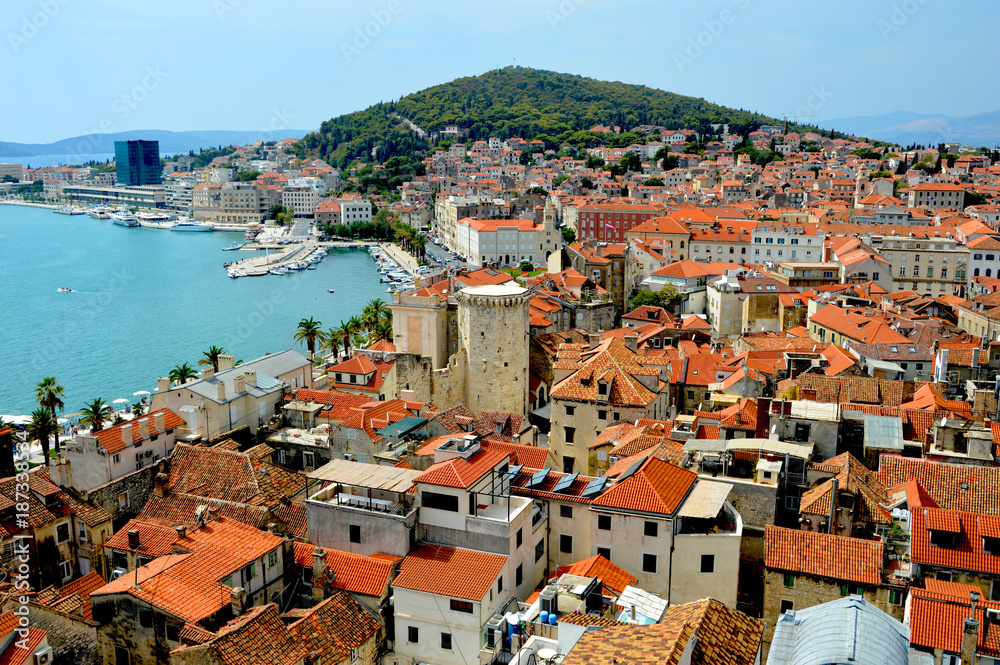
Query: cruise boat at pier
[122, 217]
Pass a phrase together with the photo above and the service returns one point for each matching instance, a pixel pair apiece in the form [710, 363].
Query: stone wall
[136, 486]
[73, 639]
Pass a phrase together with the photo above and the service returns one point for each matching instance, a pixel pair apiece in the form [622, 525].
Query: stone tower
[493, 330]
[549, 216]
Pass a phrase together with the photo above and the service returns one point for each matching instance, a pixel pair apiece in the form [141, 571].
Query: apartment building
[936, 195]
[611, 222]
[931, 264]
[779, 243]
[506, 241]
[234, 203]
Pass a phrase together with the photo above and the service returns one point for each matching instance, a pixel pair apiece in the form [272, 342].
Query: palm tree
[344, 332]
[95, 414]
[310, 331]
[41, 427]
[376, 308]
[49, 394]
[381, 331]
[353, 326]
[333, 337]
[211, 357]
[139, 408]
[181, 374]
[359, 341]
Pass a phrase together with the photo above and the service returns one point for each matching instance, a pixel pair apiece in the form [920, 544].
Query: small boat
[278, 271]
[63, 289]
[69, 210]
[312, 267]
[100, 212]
[329, 290]
[233, 247]
[390, 289]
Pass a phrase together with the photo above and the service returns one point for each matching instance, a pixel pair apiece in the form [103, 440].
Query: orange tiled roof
[366, 575]
[968, 531]
[657, 487]
[937, 621]
[974, 489]
[458, 472]
[611, 576]
[450, 571]
[110, 438]
[823, 555]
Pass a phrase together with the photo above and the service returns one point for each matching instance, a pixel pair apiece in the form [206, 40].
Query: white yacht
[122, 217]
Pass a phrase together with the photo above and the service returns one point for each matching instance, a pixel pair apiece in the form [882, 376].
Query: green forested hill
[515, 101]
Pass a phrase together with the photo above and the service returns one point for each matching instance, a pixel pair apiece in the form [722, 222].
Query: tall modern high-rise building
[138, 162]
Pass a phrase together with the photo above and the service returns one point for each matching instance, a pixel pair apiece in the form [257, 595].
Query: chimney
[833, 505]
[632, 342]
[970, 636]
[162, 384]
[158, 422]
[182, 531]
[226, 362]
[238, 386]
[144, 428]
[127, 434]
[763, 418]
[237, 600]
[594, 339]
[221, 389]
[319, 570]
[250, 377]
[407, 396]
[160, 484]
[133, 539]
[208, 373]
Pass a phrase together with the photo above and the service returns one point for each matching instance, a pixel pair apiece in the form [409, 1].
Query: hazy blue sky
[72, 67]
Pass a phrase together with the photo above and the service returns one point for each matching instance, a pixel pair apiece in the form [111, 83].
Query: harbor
[117, 274]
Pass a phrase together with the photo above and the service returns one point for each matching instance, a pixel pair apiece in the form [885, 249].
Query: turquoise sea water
[144, 301]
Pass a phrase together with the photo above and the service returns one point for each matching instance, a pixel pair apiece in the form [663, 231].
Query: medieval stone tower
[493, 331]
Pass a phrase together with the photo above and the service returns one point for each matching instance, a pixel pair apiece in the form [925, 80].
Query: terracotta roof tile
[611, 576]
[823, 555]
[450, 571]
[657, 487]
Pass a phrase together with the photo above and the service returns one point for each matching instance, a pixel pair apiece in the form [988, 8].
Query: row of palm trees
[44, 421]
[374, 324]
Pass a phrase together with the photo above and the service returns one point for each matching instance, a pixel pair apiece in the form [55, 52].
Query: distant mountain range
[170, 142]
[906, 127]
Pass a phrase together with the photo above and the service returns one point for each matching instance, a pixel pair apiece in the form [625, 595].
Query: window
[461, 606]
[787, 606]
[145, 617]
[650, 529]
[802, 432]
[439, 501]
[355, 534]
[116, 458]
[895, 597]
[412, 634]
[708, 563]
[499, 584]
[568, 463]
[602, 456]
[605, 552]
[173, 632]
[649, 563]
[520, 537]
[565, 543]
[308, 460]
[519, 575]
[602, 414]
[122, 656]
[569, 434]
[604, 522]
[566, 511]
[272, 559]
[570, 410]
[249, 572]
[62, 532]
[788, 580]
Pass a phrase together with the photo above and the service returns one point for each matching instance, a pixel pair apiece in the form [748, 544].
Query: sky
[73, 67]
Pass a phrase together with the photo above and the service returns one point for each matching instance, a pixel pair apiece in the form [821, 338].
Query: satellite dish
[774, 428]
[944, 421]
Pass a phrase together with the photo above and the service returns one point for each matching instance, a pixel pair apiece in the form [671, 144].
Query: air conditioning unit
[43, 656]
[117, 572]
[494, 631]
[547, 600]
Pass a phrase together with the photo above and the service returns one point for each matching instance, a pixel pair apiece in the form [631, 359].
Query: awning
[188, 408]
[705, 500]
